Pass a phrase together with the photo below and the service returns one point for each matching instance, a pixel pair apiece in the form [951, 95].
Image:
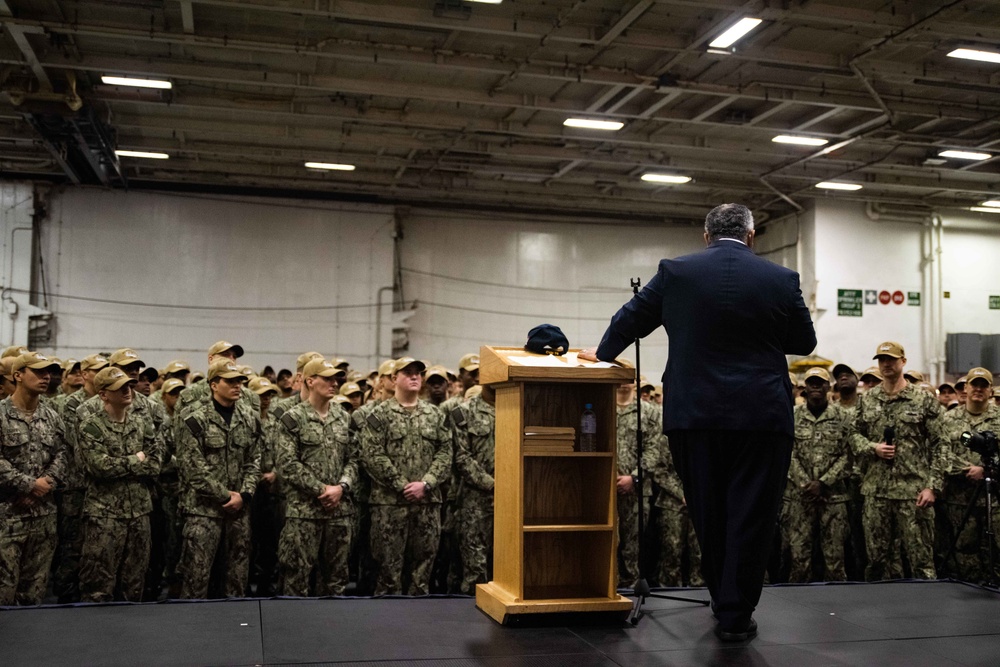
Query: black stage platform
[897, 623]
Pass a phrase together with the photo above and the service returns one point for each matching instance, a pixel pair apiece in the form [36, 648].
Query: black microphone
[888, 435]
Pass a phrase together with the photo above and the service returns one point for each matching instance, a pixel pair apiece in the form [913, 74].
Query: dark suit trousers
[733, 484]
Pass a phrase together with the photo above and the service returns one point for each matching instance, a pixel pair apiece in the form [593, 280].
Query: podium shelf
[570, 526]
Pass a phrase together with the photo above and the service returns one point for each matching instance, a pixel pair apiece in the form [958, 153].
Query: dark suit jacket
[731, 317]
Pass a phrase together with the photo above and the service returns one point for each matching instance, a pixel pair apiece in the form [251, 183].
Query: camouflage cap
[405, 362]
[343, 400]
[872, 372]
[69, 364]
[840, 369]
[150, 374]
[261, 386]
[889, 349]
[356, 376]
[469, 362]
[34, 361]
[387, 367]
[658, 390]
[340, 363]
[350, 388]
[125, 357]
[224, 346]
[643, 383]
[979, 373]
[111, 379]
[224, 368]
[946, 384]
[14, 351]
[914, 376]
[321, 367]
[93, 362]
[437, 371]
[176, 366]
[961, 382]
[196, 376]
[246, 370]
[172, 385]
[817, 372]
[304, 359]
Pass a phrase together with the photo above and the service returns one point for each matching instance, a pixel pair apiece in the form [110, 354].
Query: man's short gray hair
[729, 221]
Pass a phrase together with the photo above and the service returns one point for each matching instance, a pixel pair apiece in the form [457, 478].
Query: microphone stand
[641, 590]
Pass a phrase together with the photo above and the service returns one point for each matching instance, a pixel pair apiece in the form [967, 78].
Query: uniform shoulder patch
[73, 402]
[279, 412]
[374, 421]
[289, 422]
[194, 426]
[93, 430]
[458, 416]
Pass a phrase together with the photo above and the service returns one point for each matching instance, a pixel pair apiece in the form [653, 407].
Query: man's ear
[707, 240]
[750, 236]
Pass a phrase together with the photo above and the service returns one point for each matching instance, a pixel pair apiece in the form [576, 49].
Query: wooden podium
[554, 510]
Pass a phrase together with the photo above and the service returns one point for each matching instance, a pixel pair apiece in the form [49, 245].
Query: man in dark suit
[731, 317]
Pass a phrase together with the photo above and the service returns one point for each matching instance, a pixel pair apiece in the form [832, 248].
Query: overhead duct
[81, 142]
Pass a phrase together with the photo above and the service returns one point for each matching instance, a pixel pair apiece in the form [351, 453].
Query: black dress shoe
[725, 636]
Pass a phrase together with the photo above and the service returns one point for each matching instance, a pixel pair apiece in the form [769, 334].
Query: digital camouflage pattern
[30, 447]
[971, 556]
[677, 535]
[118, 483]
[627, 505]
[399, 446]
[117, 504]
[474, 428]
[821, 452]
[312, 453]
[916, 417]
[213, 459]
[890, 514]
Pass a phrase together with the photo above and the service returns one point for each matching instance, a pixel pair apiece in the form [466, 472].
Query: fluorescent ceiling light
[974, 54]
[965, 155]
[993, 203]
[833, 185]
[801, 141]
[665, 178]
[612, 125]
[729, 37]
[146, 154]
[137, 83]
[330, 166]
[985, 209]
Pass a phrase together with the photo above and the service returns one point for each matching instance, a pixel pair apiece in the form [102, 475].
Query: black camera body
[985, 444]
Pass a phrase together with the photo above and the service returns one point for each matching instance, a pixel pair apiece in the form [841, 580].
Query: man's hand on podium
[590, 354]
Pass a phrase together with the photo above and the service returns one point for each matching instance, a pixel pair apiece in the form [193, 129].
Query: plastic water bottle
[588, 429]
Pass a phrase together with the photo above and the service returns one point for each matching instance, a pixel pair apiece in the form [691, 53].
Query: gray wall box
[964, 351]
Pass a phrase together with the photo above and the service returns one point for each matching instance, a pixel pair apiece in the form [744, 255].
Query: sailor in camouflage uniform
[66, 578]
[120, 453]
[267, 513]
[474, 429]
[900, 480]
[815, 507]
[406, 447]
[199, 394]
[318, 468]
[361, 494]
[218, 455]
[32, 463]
[627, 499]
[964, 474]
[279, 406]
